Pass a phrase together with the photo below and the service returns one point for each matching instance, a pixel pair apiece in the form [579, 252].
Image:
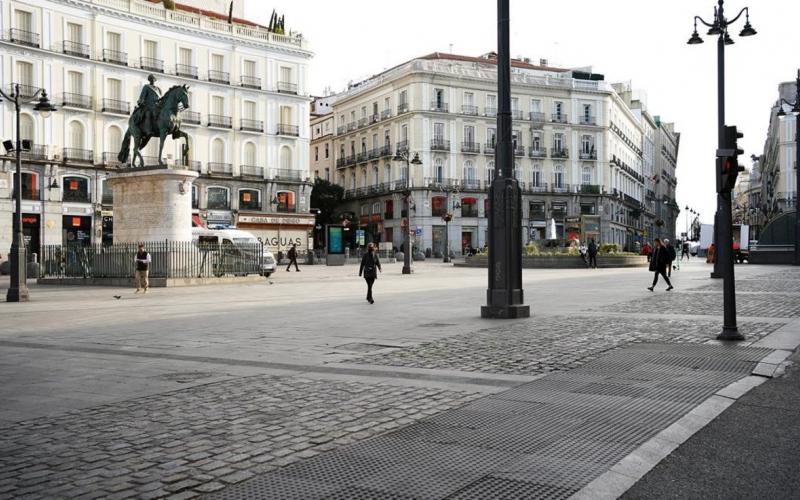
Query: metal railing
[519, 151]
[115, 57]
[252, 171]
[516, 114]
[80, 101]
[250, 205]
[191, 117]
[220, 168]
[587, 155]
[151, 64]
[77, 155]
[23, 37]
[250, 82]
[469, 109]
[169, 259]
[470, 147]
[537, 117]
[287, 174]
[110, 159]
[440, 107]
[252, 125]
[587, 120]
[26, 92]
[488, 148]
[439, 144]
[402, 146]
[287, 87]
[589, 189]
[559, 118]
[535, 187]
[472, 185]
[220, 121]
[286, 129]
[537, 152]
[559, 153]
[37, 152]
[76, 196]
[115, 106]
[561, 187]
[186, 70]
[402, 108]
[362, 122]
[490, 111]
[75, 49]
[386, 113]
[217, 76]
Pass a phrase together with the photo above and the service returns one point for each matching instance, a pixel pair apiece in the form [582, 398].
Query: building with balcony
[666, 160]
[778, 162]
[321, 155]
[577, 149]
[249, 137]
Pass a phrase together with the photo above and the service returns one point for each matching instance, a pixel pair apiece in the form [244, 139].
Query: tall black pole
[18, 287]
[797, 173]
[717, 272]
[504, 298]
[407, 243]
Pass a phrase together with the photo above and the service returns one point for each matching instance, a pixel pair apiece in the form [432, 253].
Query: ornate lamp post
[18, 289]
[404, 156]
[796, 112]
[723, 266]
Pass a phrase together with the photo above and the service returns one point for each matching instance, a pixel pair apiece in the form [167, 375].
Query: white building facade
[248, 115]
[577, 151]
[778, 162]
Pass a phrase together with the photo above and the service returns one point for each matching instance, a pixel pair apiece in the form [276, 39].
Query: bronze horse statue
[166, 122]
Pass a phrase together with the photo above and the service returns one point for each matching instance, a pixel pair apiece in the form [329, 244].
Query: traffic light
[728, 167]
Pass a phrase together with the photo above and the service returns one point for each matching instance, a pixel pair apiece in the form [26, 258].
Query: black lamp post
[504, 298]
[18, 288]
[404, 156]
[796, 112]
[723, 227]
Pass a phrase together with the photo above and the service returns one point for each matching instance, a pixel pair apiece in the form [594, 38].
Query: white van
[234, 245]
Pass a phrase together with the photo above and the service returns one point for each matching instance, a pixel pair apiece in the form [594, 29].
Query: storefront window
[76, 189]
[218, 199]
[438, 206]
[469, 207]
[286, 202]
[249, 199]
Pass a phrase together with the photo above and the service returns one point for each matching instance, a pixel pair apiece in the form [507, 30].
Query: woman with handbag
[370, 265]
[659, 263]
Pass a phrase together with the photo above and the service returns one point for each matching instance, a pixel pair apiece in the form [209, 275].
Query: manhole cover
[364, 347]
[185, 377]
[436, 325]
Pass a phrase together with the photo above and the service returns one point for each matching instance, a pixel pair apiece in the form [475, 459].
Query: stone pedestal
[152, 205]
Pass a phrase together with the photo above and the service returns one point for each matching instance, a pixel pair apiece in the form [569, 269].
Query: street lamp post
[447, 189]
[723, 218]
[504, 297]
[404, 156]
[796, 112]
[18, 287]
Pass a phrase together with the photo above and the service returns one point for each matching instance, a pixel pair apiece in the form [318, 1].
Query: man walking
[142, 262]
[370, 265]
[671, 255]
[592, 250]
[658, 264]
[292, 258]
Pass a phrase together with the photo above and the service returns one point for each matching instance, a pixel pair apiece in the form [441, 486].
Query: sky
[641, 41]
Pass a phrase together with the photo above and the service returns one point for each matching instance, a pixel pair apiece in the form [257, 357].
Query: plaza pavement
[234, 388]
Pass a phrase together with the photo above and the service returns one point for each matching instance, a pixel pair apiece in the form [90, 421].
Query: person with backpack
[658, 264]
[292, 258]
[592, 251]
[370, 265]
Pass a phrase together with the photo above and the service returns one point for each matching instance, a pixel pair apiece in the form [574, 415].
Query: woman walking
[658, 264]
[370, 265]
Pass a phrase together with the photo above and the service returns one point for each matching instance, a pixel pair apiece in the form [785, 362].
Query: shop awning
[197, 221]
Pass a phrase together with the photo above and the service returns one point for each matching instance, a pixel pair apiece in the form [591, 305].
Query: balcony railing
[75, 49]
[442, 182]
[220, 121]
[516, 114]
[559, 118]
[37, 152]
[115, 106]
[77, 196]
[341, 129]
[587, 155]
[195, 165]
[402, 147]
[287, 88]
[402, 108]
[287, 174]
[22, 37]
[488, 148]
[560, 187]
[559, 153]
[587, 120]
[590, 189]
[519, 151]
[362, 122]
[290, 130]
[109, 159]
[471, 185]
[537, 117]
[80, 101]
[254, 205]
[26, 92]
[77, 155]
[219, 76]
[151, 64]
[537, 153]
[386, 113]
[115, 57]
[491, 112]
[251, 82]
[252, 125]
[362, 157]
[439, 107]
[352, 126]
[439, 144]
[220, 168]
[252, 171]
[186, 70]
[469, 109]
[470, 147]
[190, 117]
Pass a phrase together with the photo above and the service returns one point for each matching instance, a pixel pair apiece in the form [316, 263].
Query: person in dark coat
[292, 258]
[370, 265]
[672, 256]
[592, 250]
[659, 263]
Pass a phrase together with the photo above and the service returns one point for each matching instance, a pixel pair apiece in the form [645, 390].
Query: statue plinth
[152, 205]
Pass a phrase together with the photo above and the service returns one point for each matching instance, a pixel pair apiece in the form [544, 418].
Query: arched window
[285, 201]
[76, 189]
[469, 171]
[217, 151]
[76, 135]
[536, 176]
[249, 199]
[217, 198]
[586, 144]
[286, 158]
[26, 128]
[113, 140]
[250, 157]
[586, 175]
[439, 170]
[558, 177]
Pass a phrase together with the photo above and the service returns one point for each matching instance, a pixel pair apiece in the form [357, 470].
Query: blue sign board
[335, 239]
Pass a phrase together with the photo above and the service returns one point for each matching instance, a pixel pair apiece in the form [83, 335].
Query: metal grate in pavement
[277, 486]
[538, 440]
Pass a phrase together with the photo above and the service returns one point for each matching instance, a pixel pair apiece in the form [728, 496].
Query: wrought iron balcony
[290, 130]
[385, 150]
[590, 189]
[220, 121]
[26, 92]
[491, 112]
[537, 152]
[519, 151]
[341, 129]
[190, 117]
[588, 155]
[559, 187]
[471, 185]
[219, 76]
[251, 82]
[352, 126]
[362, 157]
[439, 107]
[516, 114]
[110, 159]
[37, 152]
[77, 155]
[252, 171]
[469, 109]
[559, 153]
[470, 147]
[386, 113]
[537, 117]
[559, 118]
[77, 196]
[287, 174]
[195, 165]
[220, 168]
[251, 125]
[115, 106]
[439, 144]
[75, 49]
[488, 148]
[402, 147]
[115, 57]
[362, 122]
[79, 101]
[22, 37]
[287, 88]
[442, 182]
[186, 70]
[402, 108]
[151, 64]
[587, 120]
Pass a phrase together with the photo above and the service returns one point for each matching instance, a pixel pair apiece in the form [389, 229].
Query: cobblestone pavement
[773, 285]
[201, 439]
[553, 343]
[762, 305]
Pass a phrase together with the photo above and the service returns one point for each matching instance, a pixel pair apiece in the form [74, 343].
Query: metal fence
[169, 259]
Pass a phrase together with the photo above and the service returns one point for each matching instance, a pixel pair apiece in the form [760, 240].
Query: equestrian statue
[155, 116]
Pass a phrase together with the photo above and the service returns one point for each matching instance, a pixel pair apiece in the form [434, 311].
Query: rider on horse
[148, 101]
